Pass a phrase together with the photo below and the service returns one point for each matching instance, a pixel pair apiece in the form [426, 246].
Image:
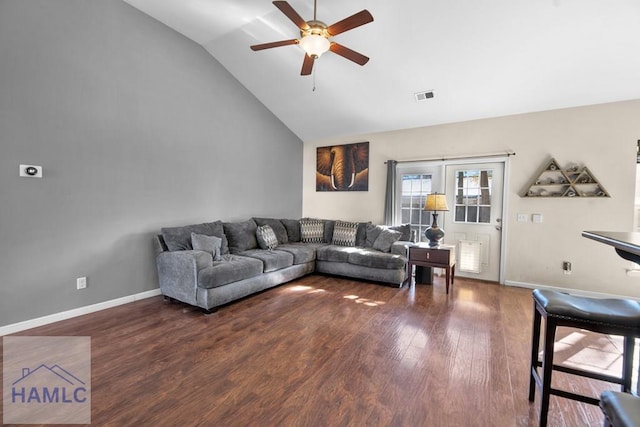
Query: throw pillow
[362, 233]
[311, 230]
[328, 230]
[179, 238]
[344, 233]
[405, 229]
[211, 244]
[293, 229]
[372, 233]
[277, 227]
[241, 235]
[266, 237]
[386, 239]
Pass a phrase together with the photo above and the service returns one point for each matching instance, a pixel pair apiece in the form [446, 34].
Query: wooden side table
[443, 256]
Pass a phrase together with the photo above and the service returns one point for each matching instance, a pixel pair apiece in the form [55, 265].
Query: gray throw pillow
[362, 233]
[211, 244]
[311, 230]
[405, 229]
[241, 235]
[386, 239]
[179, 238]
[328, 230]
[293, 229]
[372, 233]
[266, 237]
[344, 233]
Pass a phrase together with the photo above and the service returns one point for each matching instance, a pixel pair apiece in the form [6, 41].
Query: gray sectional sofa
[211, 264]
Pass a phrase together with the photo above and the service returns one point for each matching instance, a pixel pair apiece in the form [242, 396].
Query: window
[415, 188]
[473, 196]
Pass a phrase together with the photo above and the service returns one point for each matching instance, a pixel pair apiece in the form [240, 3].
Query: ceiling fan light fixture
[315, 45]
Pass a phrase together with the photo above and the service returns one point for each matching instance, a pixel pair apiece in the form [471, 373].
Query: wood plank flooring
[327, 351]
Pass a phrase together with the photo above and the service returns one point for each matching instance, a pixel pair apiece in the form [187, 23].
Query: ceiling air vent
[423, 96]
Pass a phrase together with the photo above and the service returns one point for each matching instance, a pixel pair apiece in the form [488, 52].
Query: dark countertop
[626, 243]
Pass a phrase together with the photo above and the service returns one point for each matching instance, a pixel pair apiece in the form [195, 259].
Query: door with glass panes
[474, 222]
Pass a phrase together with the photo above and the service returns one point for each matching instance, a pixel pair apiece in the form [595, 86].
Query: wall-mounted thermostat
[31, 171]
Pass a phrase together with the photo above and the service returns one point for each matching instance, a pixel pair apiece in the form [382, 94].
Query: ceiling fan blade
[291, 14]
[307, 65]
[360, 18]
[351, 55]
[274, 44]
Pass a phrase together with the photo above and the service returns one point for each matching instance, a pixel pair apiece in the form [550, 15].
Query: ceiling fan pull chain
[314, 80]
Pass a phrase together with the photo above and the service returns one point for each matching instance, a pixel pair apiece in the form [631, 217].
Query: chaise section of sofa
[232, 260]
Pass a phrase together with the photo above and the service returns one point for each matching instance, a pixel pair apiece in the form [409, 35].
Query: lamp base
[434, 234]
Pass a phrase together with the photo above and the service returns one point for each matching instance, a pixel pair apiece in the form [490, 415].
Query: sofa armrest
[178, 273]
[401, 247]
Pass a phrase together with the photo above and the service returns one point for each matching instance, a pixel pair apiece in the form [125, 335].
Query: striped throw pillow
[266, 237]
[311, 230]
[344, 233]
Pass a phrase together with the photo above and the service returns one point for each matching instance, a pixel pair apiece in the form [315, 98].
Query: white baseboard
[571, 291]
[56, 317]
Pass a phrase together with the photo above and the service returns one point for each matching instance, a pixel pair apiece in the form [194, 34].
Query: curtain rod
[478, 156]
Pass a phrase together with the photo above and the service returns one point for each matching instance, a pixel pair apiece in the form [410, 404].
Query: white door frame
[431, 165]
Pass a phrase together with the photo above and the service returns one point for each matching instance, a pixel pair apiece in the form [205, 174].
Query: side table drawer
[429, 255]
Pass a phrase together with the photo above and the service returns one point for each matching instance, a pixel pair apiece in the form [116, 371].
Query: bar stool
[620, 409]
[605, 316]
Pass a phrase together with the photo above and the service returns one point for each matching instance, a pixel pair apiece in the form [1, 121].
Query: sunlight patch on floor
[307, 289]
[364, 301]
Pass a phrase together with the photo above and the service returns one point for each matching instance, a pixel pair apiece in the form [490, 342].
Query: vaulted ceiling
[481, 58]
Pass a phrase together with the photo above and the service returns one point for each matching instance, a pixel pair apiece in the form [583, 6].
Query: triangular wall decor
[573, 181]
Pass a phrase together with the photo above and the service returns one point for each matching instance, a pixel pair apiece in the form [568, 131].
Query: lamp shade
[436, 202]
[315, 45]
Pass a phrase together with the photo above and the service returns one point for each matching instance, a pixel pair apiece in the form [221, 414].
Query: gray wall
[137, 128]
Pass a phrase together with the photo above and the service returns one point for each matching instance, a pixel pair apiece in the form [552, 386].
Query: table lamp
[435, 203]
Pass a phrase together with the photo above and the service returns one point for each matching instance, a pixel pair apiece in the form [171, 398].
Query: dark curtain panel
[390, 196]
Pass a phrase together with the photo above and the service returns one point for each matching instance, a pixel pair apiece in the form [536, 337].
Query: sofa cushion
[362, 233]
[335, 253]
[277, 226]
[266, 237]
[293, 229]
[272, 260]
[385, 239]
[231, 268]
[376, 259]
[328, 230]
[241, 235]
[311, 230]
[302, 252]
[344, 233]
[210, 244]
[179, 238]
[405, 229]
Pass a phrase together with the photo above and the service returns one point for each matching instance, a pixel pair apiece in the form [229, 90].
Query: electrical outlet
[522, 217]
[81, 282]
[566, 267]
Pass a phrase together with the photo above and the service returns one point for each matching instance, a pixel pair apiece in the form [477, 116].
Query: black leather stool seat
[618, 312]
[606, 316]
[620, 409]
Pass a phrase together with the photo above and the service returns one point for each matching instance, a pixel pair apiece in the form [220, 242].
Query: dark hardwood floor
[326, 351]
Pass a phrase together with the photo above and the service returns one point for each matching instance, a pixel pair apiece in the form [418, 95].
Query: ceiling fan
[315, 36]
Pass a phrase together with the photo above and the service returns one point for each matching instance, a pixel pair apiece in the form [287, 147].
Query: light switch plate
[537, 218]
